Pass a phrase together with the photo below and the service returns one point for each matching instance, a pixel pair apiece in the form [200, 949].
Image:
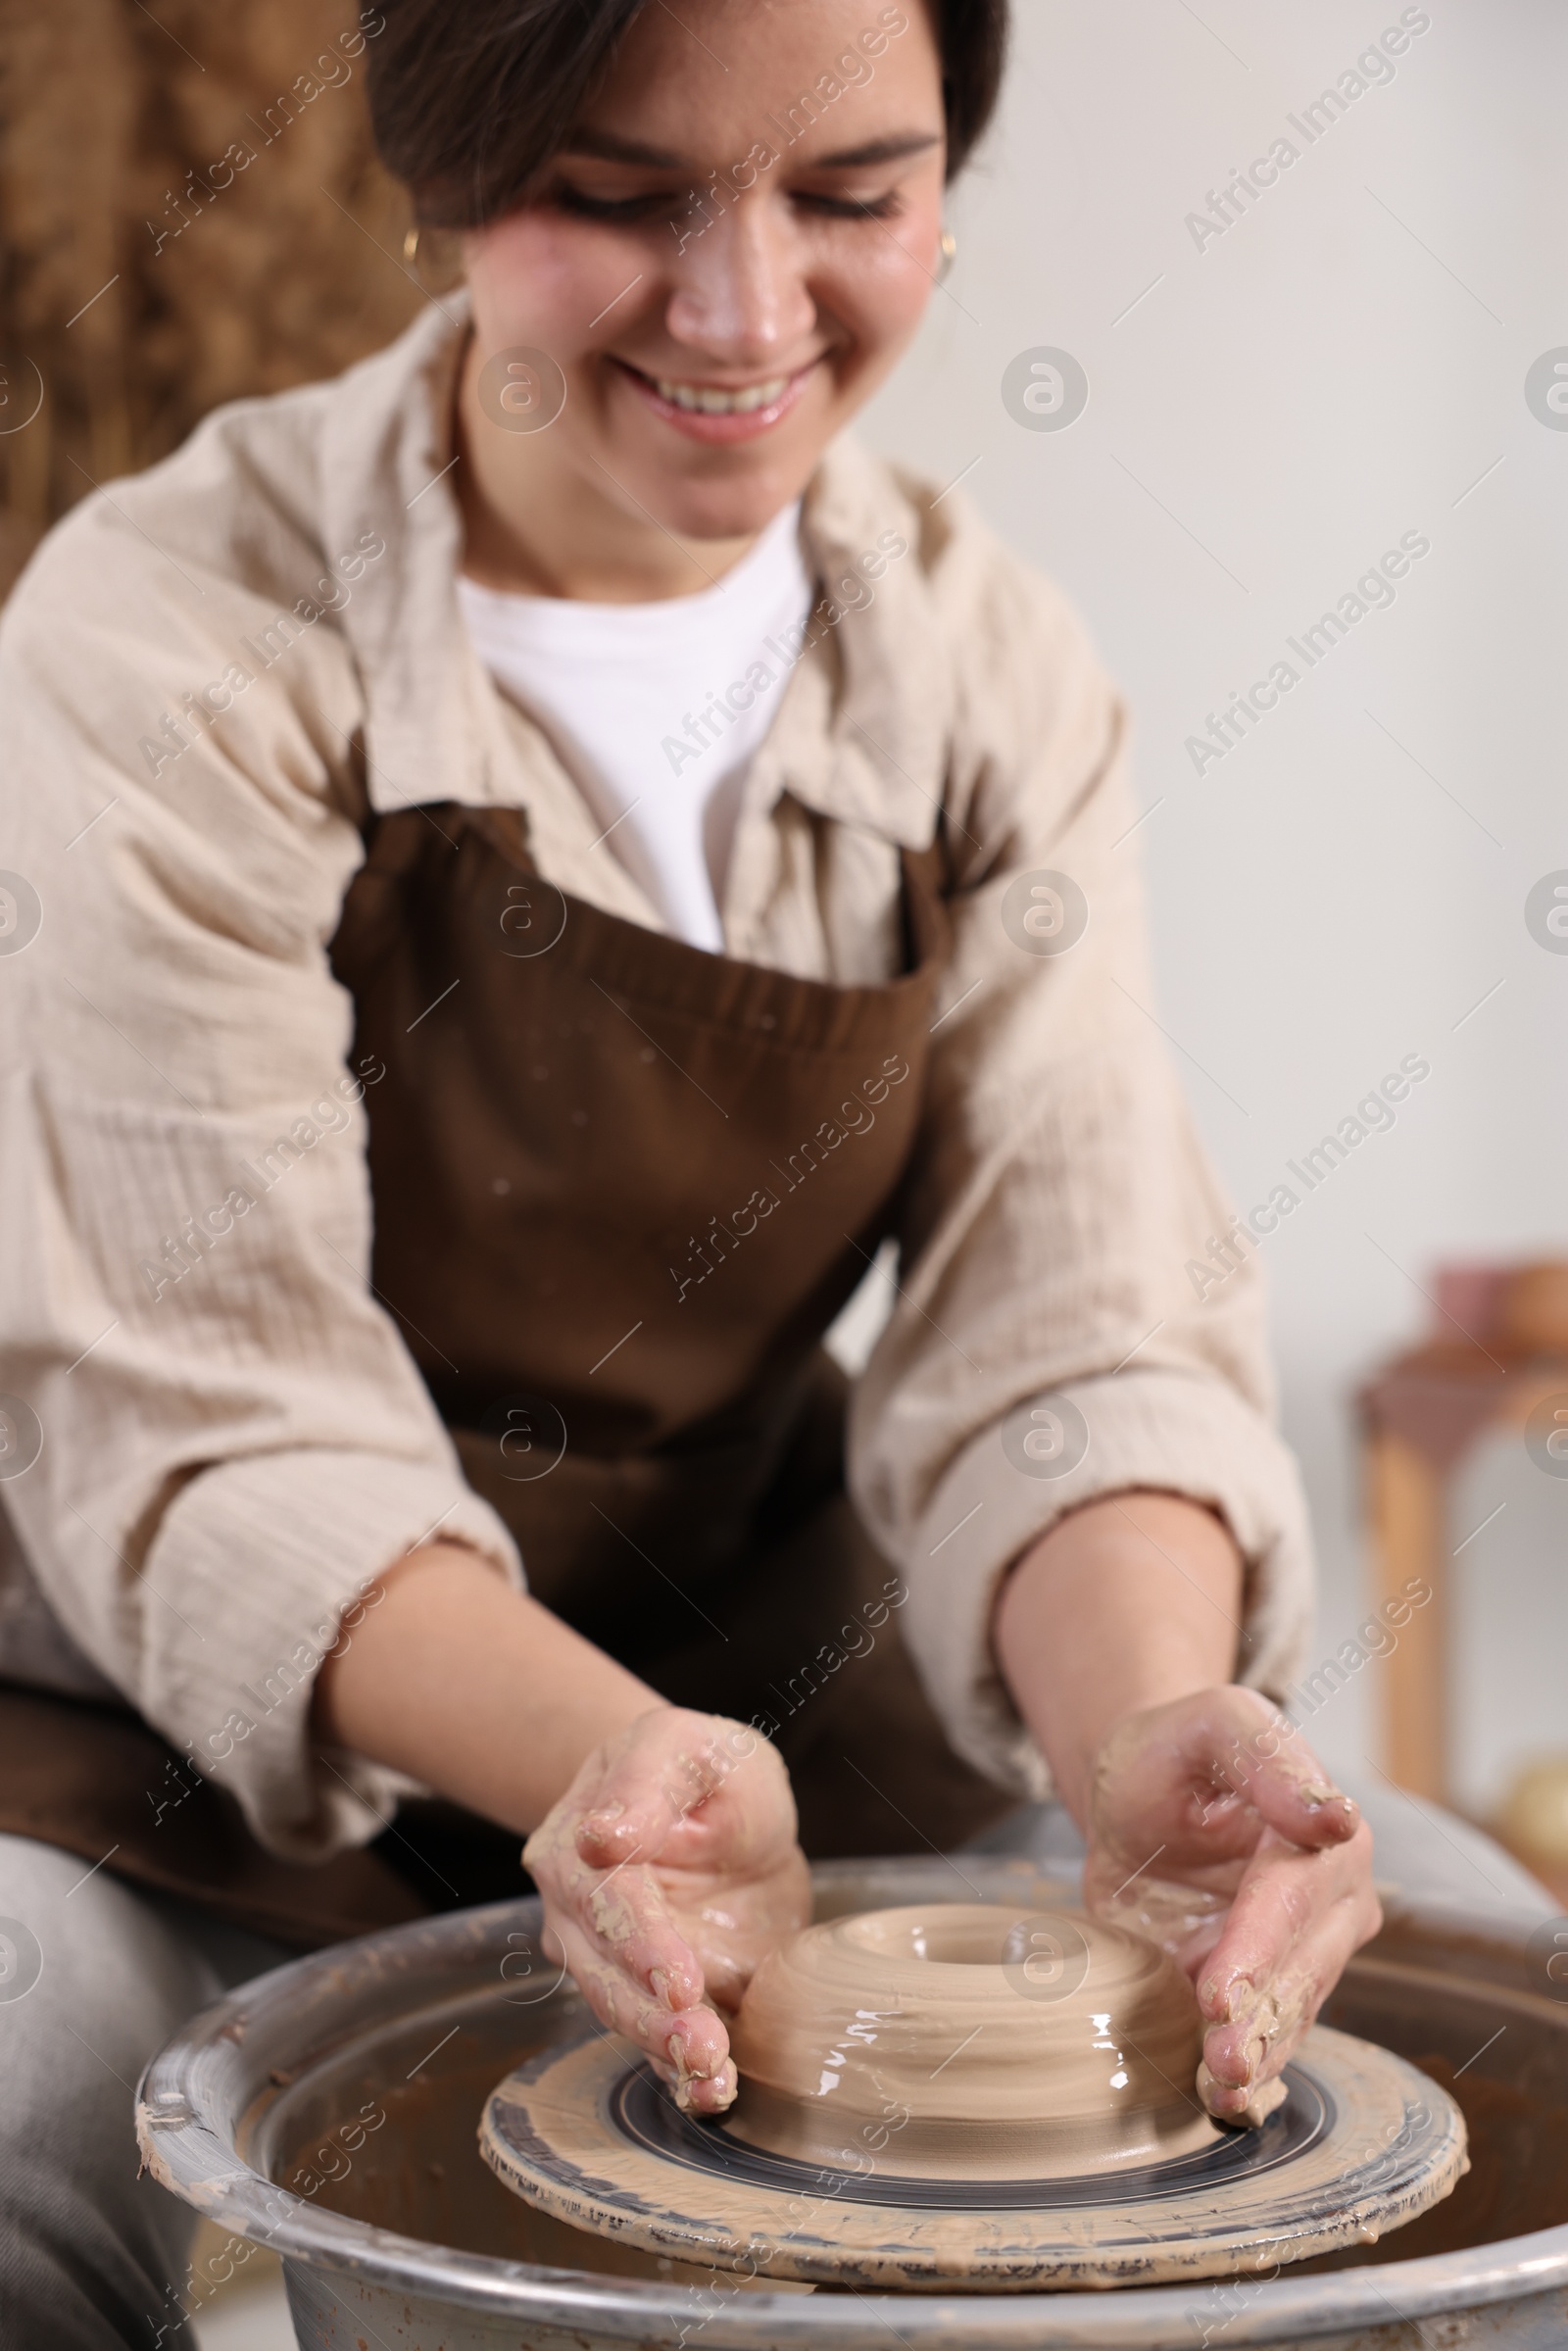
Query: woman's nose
[740, 294]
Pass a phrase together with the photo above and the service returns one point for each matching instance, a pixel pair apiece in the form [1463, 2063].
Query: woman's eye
[585, 207]
[849, 208]
[662, 204]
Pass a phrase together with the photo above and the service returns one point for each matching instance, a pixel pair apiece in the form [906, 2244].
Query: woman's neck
[536, 524]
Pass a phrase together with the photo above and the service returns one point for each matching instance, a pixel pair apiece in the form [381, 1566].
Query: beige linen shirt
[204, 674]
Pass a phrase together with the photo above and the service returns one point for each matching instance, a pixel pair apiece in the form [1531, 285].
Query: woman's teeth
[702, 398]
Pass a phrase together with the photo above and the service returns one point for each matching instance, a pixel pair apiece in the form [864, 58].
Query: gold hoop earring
[949, 248]
[413, 250]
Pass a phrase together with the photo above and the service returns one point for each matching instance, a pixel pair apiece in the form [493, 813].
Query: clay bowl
[966, 2042]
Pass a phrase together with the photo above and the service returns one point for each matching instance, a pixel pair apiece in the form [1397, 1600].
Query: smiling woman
[722, 233]
[675, 764]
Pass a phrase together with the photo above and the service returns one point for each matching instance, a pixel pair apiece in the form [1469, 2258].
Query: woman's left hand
[1214, 1831]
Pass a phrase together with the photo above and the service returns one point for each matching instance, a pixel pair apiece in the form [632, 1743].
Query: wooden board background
[113, 116]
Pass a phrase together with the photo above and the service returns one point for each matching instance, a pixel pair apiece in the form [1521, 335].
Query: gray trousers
[94, 1977]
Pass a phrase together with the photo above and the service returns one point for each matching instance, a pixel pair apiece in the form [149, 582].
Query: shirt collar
[885, 698]
[861, 735]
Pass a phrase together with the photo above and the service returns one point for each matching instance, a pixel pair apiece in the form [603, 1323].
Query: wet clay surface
[991, 2044]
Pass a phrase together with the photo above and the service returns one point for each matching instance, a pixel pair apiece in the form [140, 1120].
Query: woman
[553, 798]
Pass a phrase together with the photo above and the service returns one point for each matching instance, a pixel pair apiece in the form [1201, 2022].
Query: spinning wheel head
[965, 2095]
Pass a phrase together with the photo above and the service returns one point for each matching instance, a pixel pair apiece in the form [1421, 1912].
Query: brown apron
[622, 1186]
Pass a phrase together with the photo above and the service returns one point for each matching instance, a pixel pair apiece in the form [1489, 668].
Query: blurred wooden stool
[1503, 1363]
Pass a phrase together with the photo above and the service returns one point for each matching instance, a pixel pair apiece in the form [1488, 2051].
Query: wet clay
[989, 2044]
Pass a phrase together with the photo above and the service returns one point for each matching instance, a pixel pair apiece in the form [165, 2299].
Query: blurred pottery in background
[1533, 1314]
[1521, 1308]
[1534, 1821]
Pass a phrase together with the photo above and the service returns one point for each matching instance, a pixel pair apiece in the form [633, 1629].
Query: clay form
[991, 2044]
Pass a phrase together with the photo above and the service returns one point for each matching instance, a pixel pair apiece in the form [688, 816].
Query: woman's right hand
[667, 1870]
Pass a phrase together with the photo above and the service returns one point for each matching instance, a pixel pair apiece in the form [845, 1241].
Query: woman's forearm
[474, 1687]
[1126, 1603]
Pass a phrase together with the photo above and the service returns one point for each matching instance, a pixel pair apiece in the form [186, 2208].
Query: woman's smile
[719, 413]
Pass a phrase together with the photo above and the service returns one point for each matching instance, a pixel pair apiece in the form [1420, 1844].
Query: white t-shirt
[656, 710]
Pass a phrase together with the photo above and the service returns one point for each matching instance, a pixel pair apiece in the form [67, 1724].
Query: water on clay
[421, 2174]
[971, 2046]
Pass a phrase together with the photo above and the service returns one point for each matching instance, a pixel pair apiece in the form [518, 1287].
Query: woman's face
[729, 254]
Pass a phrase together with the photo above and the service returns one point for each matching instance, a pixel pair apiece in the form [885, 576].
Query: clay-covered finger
[690, 2045]
[620, 2000]
[627, 1917]
[1281, 1921]
[615, 1998]
[1273, 1907]
[620, 1909]
[1288, 1897]
[1260, 1998]
[1296, 1796]
[1251, 2105]
[1241, 2056]
[1262, 1762]
[702, 2080]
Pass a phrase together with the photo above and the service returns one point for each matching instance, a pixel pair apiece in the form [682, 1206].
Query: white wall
[1339, 368]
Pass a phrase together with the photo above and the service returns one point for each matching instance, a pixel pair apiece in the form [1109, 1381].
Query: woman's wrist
[471, 1687]
[1127, 1603]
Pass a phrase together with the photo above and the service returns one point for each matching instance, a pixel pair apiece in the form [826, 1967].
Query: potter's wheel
[898, 2072]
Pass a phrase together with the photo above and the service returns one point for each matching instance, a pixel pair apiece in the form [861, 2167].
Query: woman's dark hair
[470, 98]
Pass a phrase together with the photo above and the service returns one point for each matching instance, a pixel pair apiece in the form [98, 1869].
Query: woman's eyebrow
[876, 151]
[606, 147]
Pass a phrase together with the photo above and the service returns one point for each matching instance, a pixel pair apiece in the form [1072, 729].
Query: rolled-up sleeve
[1048, 1344]
[232, 1441]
